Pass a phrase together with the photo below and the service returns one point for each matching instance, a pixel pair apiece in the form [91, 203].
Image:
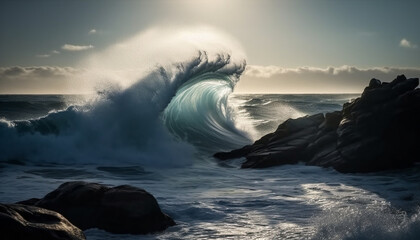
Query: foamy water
[217, 200]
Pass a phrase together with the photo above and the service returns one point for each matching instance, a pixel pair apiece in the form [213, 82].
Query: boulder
[377, 131]
[28, 222]
[121, 209]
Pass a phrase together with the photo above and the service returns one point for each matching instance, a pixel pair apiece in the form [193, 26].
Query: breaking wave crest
[189, 99]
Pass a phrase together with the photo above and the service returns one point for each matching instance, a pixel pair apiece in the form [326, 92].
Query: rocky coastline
[375, 132]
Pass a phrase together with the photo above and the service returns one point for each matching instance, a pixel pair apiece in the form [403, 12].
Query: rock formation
[28, 222]
[378, 131]
[121, 209]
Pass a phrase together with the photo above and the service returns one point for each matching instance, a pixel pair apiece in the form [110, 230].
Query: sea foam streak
[126, 125]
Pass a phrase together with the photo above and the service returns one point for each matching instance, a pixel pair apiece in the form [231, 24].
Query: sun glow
[126, 61]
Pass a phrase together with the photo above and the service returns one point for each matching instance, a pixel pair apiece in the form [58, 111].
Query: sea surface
[207, 198]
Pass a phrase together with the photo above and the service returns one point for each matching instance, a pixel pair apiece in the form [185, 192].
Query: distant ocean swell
[189, 100]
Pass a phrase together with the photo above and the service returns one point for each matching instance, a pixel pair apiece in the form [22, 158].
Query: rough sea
[84, 138]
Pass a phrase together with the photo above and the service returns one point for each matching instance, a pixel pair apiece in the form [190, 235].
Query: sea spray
[125, 124]
[367, 223]
[137, 79]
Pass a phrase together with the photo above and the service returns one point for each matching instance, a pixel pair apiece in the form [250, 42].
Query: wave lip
[189, 99]
[199, 113]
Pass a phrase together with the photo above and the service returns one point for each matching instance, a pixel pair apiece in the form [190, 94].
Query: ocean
[167, 149]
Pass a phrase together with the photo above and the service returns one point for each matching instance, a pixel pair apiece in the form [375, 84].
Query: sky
[291, 46]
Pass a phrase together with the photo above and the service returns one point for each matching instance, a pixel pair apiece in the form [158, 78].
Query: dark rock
[234, 153]
[378, 131]
[31, 201]
[281, 147]
[374, 83]
[332, 120]
[19, 222]
[121, 209]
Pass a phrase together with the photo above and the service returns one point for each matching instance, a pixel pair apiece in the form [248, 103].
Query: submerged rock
[377, 131]
[28, 222]
[121, 209]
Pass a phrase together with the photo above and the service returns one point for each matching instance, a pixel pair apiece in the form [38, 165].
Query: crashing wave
[190, 99]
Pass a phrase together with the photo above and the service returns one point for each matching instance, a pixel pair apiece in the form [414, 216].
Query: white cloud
[38, 71]
[92, 31]
[70, 47]
[47, 55]
[43, 55]
[255, 79]
[270, 71]
[42, 79]
[407, 44]
[274, 79]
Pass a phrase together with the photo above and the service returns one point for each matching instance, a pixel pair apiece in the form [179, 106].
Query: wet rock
[281, 147]
[378, 131]
[28, 222]
[121, 209]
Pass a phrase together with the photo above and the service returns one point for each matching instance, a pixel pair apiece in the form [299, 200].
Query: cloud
[41, 79]
[92, 31]
[255, 79]
[47, 55]
[407, 44]
[43, 55]
[42, 71]
[350, 79]
[70, 47]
